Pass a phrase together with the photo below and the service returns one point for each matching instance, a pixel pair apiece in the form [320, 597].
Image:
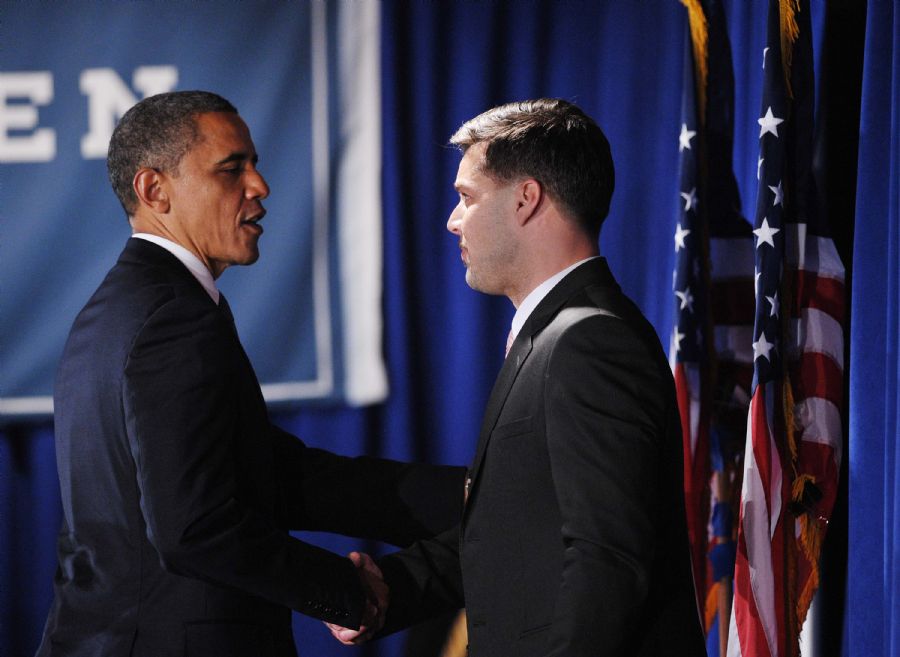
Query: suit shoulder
[608, 328]
[610, 362]
[130, 294]
[149, 286]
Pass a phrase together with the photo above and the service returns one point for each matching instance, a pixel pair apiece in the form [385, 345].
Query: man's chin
[250, 257]
[479, 285]
[246, 259]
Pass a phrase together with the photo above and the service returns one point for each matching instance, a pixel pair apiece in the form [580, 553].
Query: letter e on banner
[37, 88]
[109, 98]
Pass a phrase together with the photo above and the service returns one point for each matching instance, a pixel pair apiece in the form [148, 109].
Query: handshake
[377, 598]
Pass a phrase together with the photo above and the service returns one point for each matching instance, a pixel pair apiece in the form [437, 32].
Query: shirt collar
[188, 259]
[537, 295]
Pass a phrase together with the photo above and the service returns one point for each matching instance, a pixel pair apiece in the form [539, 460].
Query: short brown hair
[554, 142]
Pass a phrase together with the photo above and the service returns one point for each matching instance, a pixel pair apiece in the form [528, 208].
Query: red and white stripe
[814, 349]
[757, 604]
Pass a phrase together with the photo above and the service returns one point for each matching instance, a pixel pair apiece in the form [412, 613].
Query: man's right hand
[377, 600]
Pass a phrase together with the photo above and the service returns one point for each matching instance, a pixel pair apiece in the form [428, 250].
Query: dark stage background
[443, 62]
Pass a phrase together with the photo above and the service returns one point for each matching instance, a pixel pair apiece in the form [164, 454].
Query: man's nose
[258, 188]
[454, 220]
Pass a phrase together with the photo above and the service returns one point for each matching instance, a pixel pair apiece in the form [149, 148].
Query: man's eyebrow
[239, 157]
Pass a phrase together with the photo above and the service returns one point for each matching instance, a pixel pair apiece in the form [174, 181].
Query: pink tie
[509, 342]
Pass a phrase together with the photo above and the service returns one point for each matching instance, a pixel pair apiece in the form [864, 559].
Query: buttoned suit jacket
[573, 541]
[178, 492]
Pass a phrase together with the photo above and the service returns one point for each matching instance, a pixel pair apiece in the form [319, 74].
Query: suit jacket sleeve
[184, 431]
[424, 579]
[605, 400]
[366, 497]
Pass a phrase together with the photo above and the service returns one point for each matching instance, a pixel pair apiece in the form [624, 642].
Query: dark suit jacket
[573, 541]
[178, 493]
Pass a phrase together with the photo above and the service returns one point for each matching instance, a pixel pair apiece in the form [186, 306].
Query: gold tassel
[799, 485]
[700, 41]
[811, 542]
[810, 529]
[789, 33]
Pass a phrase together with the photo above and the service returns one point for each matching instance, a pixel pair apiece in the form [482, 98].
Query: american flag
[688, 352]
[713, 287]
[793, 442]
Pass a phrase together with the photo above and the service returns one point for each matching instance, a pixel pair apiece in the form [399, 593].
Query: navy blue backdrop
[872, 622]
[443, 62]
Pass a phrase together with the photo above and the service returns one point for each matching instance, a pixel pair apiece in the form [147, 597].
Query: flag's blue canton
[769, 222]
[687, 282]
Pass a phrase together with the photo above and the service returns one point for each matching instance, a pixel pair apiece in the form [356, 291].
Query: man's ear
[529, 195]
[150, 190]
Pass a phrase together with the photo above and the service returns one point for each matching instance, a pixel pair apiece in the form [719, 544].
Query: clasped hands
[377, 598]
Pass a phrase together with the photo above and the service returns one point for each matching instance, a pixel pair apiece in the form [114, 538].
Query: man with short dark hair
[573, 540]
[178, 493]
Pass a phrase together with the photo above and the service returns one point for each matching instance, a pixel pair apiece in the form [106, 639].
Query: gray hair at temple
[156, 133]
[554, 142]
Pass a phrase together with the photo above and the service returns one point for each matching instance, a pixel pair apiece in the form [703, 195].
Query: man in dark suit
[178, 493]
[573, 541]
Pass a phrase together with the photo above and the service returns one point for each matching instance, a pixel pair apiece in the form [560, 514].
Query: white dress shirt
[189, 260]
[536, 296]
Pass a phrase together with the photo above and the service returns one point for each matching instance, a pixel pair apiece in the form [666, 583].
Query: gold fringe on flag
[792, 627]
[811, 532]
[810, 539]
[789, 419]
[789, 33]
[811, 526]
[700, 41]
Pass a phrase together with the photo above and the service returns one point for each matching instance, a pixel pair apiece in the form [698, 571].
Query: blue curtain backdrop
[443, 62]
[872, 626]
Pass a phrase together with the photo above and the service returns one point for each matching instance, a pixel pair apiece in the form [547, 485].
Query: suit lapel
[516, 357]
[593, 272]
